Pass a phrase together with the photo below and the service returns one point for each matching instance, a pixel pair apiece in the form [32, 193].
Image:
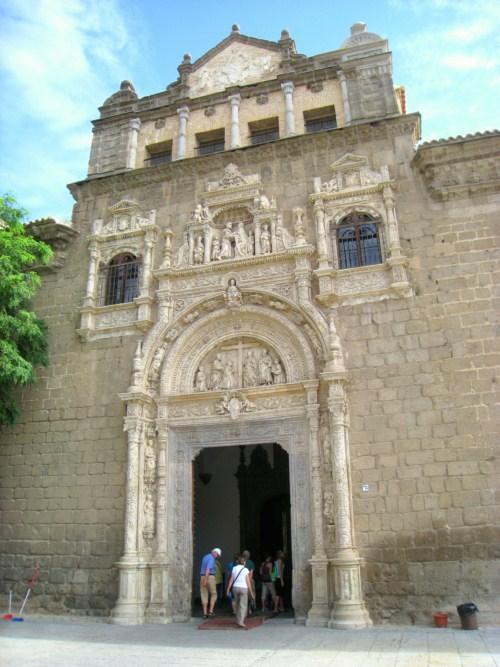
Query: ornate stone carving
[239, 363]
[233, 297]
[234, 403]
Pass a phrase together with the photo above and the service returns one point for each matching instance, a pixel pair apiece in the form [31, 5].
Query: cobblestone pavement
[58, 642]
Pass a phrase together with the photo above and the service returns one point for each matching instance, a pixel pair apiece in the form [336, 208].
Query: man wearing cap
[207, 581]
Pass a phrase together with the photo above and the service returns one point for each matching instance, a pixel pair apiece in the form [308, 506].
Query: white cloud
[61, 60]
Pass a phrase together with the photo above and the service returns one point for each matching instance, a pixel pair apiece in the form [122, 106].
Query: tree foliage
[23, 335]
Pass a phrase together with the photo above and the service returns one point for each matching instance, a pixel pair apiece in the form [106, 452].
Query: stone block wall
[423, 386]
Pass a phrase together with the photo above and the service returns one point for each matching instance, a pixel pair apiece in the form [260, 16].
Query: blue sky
[61, 58]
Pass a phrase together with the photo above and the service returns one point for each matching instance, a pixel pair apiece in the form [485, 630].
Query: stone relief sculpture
[237, 364]
[234, 404]
[234, 225]
[233, 295]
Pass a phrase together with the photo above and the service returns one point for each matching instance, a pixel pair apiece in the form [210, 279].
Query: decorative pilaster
[235, 120]
[288, 89]
[319, 216]
[182, 132]
[90, 292]
[158, 610]
[345, 99]
[349, 609]
[133, 134]
[319, 612]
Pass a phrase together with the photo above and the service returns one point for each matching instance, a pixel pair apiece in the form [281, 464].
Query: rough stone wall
[422, 432]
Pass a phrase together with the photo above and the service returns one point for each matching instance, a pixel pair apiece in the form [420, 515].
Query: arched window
[358, 242]
[122, 281]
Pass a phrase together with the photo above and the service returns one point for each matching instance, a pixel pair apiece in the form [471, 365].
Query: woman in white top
[240, 586]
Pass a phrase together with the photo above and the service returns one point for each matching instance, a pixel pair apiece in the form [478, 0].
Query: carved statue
[200, 382]
[216, 250]
[182, 258]
[277, 372]
[265, 240]
[216, 373]
[199, 250]
[233, 295]
[284, 239]
[228, 379]
[300, 234]
[265, 365]
[250, 375]
[226, 251]
[241, 241]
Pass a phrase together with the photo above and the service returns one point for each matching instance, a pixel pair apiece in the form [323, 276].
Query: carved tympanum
[239, 363]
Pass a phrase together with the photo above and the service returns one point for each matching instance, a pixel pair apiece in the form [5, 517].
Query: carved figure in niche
[250, 374]
[200, 382]
[284, 239]
[228, 378]
[149, 512]
[277, 372]
[265, 240]
[199, 251]
[241, 241]
[300, 234]
[149, 460]
[226, 251]
[154, 372]
[265, 365]
[182, 258]
[216, 373]
[216, 251]
[197, 214]
[264, 202]
[251, 243]
[206, 216]
[233, 295]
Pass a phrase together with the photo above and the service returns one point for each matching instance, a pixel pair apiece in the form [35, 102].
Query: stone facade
[372, 362]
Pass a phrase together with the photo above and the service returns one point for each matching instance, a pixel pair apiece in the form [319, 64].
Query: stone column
[319, 216]
[345, 98]
[134, 126]
[349, 609]
[90, 294]
[147, 263]
[129, 608]
[392, 224]
[319, 612]
[235, 120]
[181, 137]
[158, 610]
[288, 89]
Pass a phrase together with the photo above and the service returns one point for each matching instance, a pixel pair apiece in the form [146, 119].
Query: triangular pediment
[349, 162]
[237, 60]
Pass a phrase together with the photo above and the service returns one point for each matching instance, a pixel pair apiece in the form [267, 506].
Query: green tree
[23, 336]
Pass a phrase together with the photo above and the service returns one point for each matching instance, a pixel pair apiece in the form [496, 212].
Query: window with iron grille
[210, 142]
[159, 153]
[263, 131]
[317, 120]
[122, 280]
[358, 241]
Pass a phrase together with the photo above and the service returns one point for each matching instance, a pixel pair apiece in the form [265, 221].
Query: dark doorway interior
[242, 501]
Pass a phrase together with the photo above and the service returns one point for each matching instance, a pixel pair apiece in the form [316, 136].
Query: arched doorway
[241, 500]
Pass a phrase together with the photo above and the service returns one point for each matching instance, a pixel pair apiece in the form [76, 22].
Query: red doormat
[228, 623]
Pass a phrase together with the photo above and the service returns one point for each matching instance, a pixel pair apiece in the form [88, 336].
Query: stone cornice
[340, 139]
[460, 167]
